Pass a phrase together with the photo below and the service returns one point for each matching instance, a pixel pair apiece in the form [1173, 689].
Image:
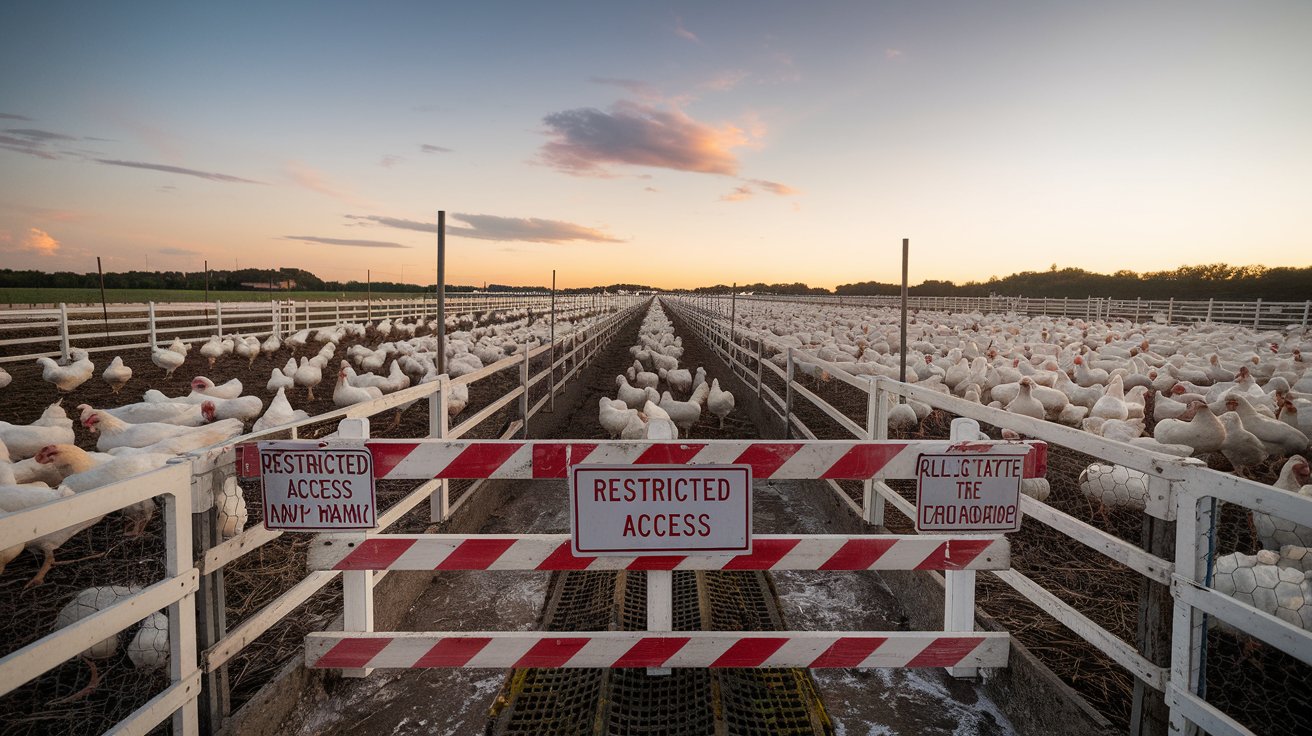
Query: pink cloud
[684, 33]
[584, 140]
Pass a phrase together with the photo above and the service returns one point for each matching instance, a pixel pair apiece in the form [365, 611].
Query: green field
[19, 297]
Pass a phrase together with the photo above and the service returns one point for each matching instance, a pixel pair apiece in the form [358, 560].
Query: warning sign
[969, 492]
[643, 510]
[317, 489]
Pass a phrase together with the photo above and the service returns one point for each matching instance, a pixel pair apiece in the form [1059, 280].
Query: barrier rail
[358, 649]
[1173, 491]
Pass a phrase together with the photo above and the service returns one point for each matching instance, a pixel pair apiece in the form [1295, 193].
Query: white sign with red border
[646, 510]
[969, 492]
[308, 488]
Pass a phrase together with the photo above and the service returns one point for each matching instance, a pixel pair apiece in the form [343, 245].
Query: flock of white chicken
[639, 399]
[1201, 390]
[41, 462]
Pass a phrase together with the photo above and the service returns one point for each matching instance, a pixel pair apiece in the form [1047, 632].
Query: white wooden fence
[1257, 313]
[1177, 491]
[176, 593]
[26, 334]
[200, 645]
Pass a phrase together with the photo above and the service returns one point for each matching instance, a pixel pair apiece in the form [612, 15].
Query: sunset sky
[672, 144]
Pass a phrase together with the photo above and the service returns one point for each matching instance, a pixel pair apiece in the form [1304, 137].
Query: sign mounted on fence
[309, 488]
[646, 510]
[959, 492]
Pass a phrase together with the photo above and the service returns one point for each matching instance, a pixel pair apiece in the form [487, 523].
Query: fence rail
[1259, 314]
[63, 328]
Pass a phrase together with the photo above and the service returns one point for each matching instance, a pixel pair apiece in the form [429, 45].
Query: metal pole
[1257, 313]
[207, 291]
[441, 294]
[369, 294]
[733, 318]
[104, 309]
[551, 364]
[150, 313]
[906, 250]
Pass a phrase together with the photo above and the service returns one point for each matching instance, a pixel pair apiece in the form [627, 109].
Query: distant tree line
[235, 280]
[1215, 280]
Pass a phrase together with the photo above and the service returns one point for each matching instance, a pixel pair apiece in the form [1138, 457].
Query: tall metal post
[906, 250]
[441, 291]
[150, 314]
[733, 318]
[63, 333]
[368, 295]
[551, 363]
[104, 309]
[207, 288]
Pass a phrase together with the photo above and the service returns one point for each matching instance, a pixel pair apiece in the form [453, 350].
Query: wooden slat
[53, 649]
[52, 516]
[829, 411]
[1104, 641]
[263, 620]
[1144, 563]
[1280, 634]
[158, 709]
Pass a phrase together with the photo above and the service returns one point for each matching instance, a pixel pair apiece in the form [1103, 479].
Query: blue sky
[672, 144]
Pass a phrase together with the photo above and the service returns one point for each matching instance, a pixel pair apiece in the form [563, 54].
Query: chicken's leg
[40, 576]
[92, 684]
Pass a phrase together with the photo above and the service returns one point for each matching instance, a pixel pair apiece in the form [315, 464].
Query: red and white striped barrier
[499, 649]
[811, 459]
[552, 552]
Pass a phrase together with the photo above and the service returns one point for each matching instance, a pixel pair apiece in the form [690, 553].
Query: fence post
[1149, 714]
[523, 398]
[63, 333]
[1209, 310]
[150, 316]
[211, 616]
[1257, 312]
[1170, 310]
[178, 559]
[1137, 301]
[959, 590]
[758, 369]
[876, 429]
[218, 315]
[274, 322]
[439, 503]
[1307, 306]
[357, 585]
[338, 304]
[788, 398]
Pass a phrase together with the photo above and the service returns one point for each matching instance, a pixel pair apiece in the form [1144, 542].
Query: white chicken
[116, 433]
[228, 390]
[1273, 532]
[719, 402]
[684, 414]
[5, 378]
[278, 381]
[212, 349]
[26, 440]
[344, 394]
[280, 412]
[116, 374]
[68, 377]
[180, 413]
[1203, 432]
[168, 360]
[309, 374]
[82, 472]
[614, 416]
[15, 498]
